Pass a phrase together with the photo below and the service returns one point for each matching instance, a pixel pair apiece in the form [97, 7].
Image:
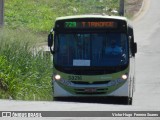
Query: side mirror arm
[52, 51]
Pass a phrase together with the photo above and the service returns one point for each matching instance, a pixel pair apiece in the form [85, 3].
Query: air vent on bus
[90, 83]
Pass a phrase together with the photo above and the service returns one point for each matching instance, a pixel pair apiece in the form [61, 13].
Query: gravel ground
[132, 7]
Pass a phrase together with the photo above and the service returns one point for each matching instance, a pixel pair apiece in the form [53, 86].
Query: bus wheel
[129, 101]
[55, 98]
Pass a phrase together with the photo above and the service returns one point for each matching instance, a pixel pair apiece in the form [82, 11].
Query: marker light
[57, 77]
[124, 77]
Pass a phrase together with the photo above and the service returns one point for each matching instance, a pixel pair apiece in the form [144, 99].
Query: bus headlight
[57, 77]
[124, 77]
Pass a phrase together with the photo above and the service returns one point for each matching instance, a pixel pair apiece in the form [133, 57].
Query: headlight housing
[57, 77]
[124, 76]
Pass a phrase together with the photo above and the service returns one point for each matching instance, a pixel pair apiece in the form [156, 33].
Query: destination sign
[108, 24]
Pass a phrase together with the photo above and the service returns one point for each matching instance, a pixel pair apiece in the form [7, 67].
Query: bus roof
[91, 16]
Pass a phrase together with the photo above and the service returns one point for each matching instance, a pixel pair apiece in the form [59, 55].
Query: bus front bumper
[90, 91]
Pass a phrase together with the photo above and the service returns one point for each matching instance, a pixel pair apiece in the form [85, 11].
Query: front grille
[90, 83]
[92, 91]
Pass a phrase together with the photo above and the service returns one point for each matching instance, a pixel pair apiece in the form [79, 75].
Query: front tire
[129, 101]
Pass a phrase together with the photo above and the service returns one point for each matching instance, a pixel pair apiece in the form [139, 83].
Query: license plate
[90, 90]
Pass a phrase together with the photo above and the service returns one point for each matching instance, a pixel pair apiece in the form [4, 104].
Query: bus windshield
[91, 50]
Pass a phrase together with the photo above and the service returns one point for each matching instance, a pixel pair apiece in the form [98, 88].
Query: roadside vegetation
[25, 72]
[39, 15]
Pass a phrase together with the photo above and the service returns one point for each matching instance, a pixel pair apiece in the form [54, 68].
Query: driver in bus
[113, 48]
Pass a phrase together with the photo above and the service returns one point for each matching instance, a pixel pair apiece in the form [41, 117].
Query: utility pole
[121, 7]
[1, 13]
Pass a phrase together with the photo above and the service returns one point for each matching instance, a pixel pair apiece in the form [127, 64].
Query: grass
[39, 15]
[23, 74]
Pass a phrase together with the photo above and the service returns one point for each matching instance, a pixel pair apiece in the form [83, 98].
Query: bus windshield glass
[91, 49]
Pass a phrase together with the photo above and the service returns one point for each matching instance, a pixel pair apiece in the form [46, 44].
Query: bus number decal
[75, 77]
[70, 24]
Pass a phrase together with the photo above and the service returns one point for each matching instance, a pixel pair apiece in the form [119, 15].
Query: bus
[93, 56]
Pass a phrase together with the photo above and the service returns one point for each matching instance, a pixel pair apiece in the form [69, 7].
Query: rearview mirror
[134, 48]
[50, 40]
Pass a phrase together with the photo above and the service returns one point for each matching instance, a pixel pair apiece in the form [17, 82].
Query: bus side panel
[123, 91]
[132, 76]
[60, 92]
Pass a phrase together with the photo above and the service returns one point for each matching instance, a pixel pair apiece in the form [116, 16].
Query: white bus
[93, 56]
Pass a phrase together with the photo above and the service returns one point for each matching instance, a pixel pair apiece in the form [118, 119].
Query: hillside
[39, 15]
